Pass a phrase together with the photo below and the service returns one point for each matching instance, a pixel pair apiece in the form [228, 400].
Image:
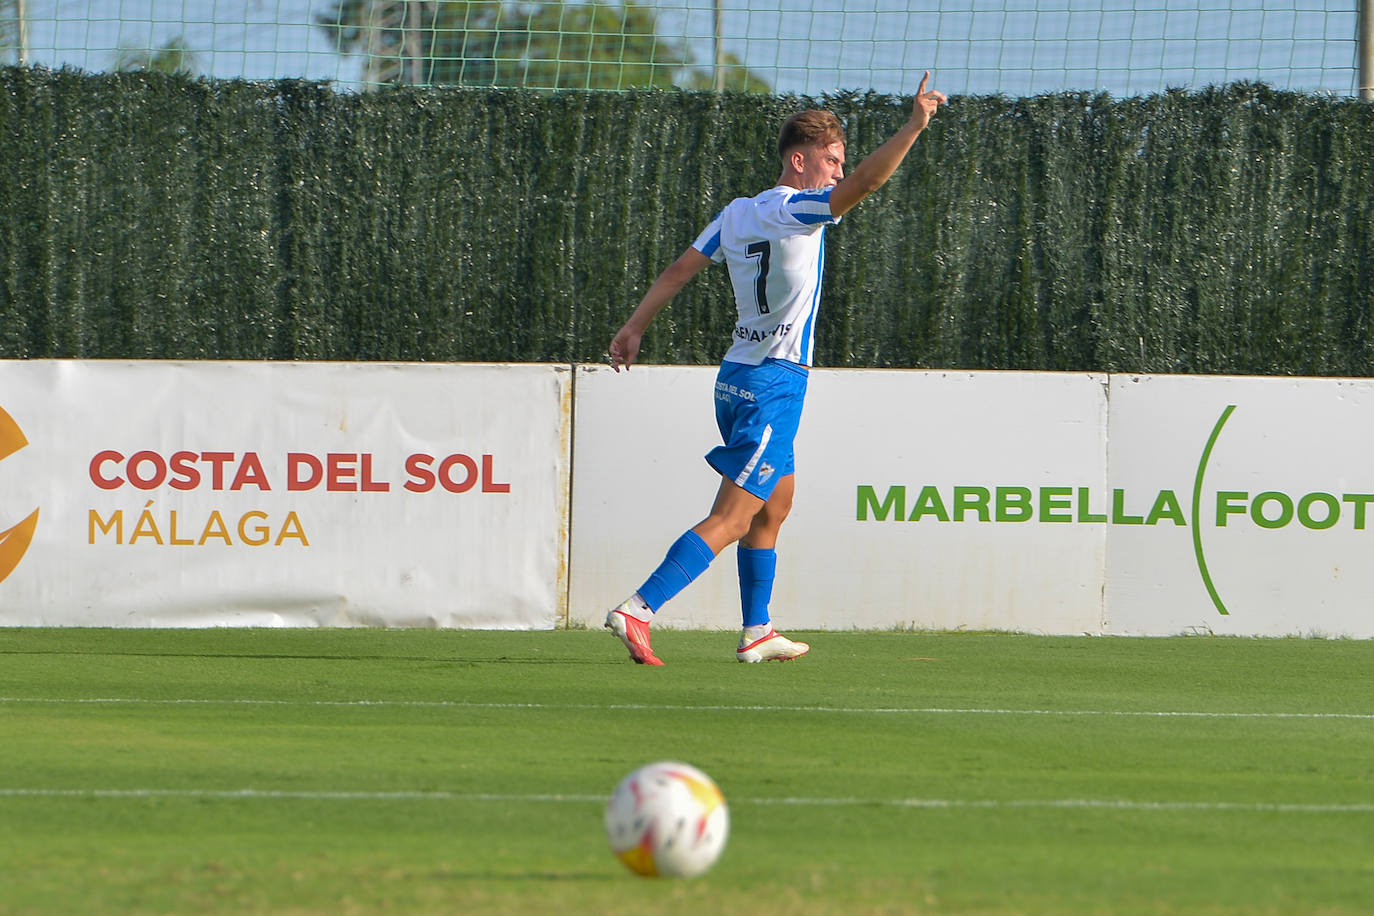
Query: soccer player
[772, 245]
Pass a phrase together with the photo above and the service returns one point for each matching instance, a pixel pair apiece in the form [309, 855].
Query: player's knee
[722, 528]
[769, 520]
[775, 511]
[736, 528]
[765, 526]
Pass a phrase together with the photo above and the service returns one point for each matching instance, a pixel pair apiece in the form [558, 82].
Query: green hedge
[152, 216]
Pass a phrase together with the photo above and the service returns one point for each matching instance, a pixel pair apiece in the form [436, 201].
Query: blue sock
[757, 568]
[687, 558]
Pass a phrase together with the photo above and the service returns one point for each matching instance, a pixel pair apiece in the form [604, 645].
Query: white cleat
[634, 633]
[772, 646]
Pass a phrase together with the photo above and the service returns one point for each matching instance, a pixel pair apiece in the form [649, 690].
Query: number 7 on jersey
[760, 250]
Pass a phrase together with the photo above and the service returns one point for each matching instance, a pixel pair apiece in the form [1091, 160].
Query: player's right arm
[625, 344]
[878, 166]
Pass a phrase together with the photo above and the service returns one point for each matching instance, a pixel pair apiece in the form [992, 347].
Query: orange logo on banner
[13, 541]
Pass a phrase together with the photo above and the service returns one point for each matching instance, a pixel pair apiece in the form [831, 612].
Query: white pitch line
[1113, 804]
[652, 707]
[302, 794]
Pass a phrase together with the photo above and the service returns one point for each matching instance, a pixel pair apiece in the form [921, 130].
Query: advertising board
[501, 496]
[319, 494]
[917, 504]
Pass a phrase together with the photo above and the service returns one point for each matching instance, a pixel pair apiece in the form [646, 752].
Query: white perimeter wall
[860, 428]
[533, 496]
[376, 536]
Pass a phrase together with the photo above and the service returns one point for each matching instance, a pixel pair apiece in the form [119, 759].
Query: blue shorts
[758, 410]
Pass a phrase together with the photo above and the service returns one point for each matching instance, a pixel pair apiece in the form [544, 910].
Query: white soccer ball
[668, 819]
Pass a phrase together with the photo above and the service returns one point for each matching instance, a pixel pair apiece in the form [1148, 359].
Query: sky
[812, 47]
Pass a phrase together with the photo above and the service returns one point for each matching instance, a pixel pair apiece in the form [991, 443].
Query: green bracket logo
[1197, 505]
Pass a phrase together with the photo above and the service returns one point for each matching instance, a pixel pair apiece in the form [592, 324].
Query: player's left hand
[926, 102]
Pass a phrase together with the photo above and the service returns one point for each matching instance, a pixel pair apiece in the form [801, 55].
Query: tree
[546, 45]
[737, 76]
[173, 57]
[396, 38]
[11, 29]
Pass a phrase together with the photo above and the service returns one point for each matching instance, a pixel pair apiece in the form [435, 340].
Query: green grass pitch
[454, 772]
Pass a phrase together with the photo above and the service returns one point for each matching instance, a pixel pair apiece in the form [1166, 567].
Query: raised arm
[625, 344]
[879, 165]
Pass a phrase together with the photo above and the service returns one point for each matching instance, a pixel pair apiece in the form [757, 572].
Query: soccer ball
[667, 819]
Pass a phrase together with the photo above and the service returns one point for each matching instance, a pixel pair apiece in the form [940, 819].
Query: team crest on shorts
[765, 471]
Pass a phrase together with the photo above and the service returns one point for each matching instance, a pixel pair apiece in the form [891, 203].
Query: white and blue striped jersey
[773, 245]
